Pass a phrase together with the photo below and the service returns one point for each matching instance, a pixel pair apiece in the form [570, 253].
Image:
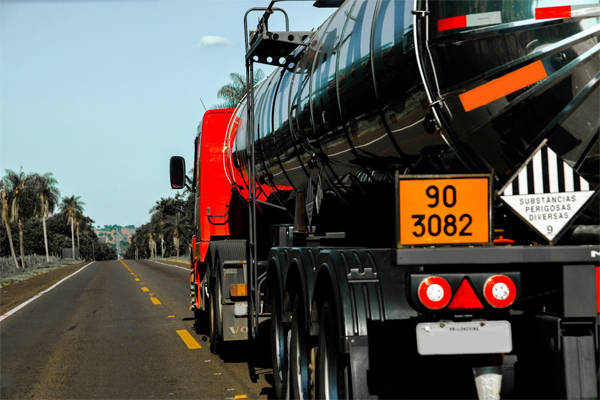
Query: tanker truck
[410, 197]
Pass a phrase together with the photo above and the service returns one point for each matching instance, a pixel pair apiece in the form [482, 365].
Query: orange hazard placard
[444, 210]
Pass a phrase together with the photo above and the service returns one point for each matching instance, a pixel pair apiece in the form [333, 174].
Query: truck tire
[299, 353]
[228, 250]
[201, 322]
[215, 316]
[200, 316]
[279, 347]
[333, 372]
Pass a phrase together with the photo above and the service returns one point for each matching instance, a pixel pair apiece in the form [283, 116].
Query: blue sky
[101, 93]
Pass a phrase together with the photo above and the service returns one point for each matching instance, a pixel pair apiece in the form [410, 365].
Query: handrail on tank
[254, 301]
[264, 19]
[251, 46]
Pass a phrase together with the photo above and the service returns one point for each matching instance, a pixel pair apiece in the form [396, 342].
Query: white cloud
[208, 41]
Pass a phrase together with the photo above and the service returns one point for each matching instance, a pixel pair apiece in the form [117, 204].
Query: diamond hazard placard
[547, 193]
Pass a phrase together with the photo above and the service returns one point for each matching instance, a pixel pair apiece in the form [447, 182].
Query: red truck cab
[213, 189]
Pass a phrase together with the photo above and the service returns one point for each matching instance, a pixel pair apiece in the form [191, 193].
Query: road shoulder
[11, 295]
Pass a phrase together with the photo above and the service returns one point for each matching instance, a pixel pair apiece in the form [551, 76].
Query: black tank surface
[431, 87]
[355, 101]
[509, 74]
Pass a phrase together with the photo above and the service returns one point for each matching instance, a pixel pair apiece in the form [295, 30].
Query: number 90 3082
[444, 211]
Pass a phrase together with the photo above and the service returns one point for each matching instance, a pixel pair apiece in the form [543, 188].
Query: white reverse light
[435, 292]
[500, 291]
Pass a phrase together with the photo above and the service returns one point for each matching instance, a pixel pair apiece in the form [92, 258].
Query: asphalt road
[100, 334]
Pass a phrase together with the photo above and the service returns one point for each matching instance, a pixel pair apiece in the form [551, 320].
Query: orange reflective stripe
[573, 11]
[452, 23]
[598, 288]
[553, 12]
[501, 87]
[470, 20]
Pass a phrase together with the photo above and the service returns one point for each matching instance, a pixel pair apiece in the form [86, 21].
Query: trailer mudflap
[578, 366]
[235, 325]
[234, 328]
[359, 363]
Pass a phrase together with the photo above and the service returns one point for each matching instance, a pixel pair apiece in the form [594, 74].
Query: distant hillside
[116, 236]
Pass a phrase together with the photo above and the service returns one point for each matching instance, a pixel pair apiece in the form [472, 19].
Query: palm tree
[175, 227]
[151, 244]
[49, 196]
[161, 236]
[78, 220]
[234, 92]
[156, 228]
[157, 221]
[22, 205]
[5, 200]
[134, 244]
[70, 207]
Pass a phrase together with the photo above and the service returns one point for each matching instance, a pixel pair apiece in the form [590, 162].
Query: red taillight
[465, 298]
[500, 291]
[503, 240]
[434, 292]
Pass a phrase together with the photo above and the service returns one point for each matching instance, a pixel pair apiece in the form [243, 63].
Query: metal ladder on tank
[272, 48]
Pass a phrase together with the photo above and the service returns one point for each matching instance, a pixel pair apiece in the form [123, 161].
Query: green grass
[34, 264]
[183, 258]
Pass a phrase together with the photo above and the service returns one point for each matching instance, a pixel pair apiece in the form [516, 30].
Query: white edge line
[170, 265]
[17, 308]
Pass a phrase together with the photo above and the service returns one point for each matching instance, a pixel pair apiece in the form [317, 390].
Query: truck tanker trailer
[410, 197]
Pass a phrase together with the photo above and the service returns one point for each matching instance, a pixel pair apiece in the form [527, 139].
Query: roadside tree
[177, 230]
[70, 208]
[49, 195]
[23, 204]
[234, 92]
[6, 215]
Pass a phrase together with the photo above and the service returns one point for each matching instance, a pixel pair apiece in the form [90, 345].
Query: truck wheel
[215, 316]
[298, 354]
[212, 324]
[332, 367]
[200, 322]
[279, 354]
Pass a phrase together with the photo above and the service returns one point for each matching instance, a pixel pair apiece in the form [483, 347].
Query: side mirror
[177, 172]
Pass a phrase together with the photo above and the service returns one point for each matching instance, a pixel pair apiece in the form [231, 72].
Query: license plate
[477, 337]
[444, 210]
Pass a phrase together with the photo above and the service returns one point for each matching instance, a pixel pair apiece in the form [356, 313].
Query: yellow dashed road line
[153, 299]
[189, 341]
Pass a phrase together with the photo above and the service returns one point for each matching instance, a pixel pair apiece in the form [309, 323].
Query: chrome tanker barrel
[476, 87]
[354, 102]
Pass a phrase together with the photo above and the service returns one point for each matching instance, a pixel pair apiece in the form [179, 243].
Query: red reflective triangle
[465, 298]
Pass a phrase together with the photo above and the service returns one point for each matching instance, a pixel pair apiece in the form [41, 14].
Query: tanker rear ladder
[272, 48]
